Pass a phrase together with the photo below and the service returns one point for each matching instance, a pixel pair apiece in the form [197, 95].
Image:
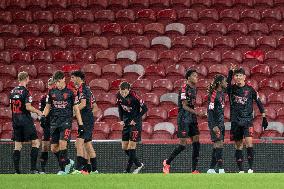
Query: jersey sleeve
[28, 97]
[48, 98]
[211, 110]
[141, 104]
[257, 100]
[120, 109]
[42, 103]
[229, 81]
[183, 95]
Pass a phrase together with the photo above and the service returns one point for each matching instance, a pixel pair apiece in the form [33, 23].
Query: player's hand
[264, 123]
[216, 130]
[132, 123]
[233, 67]
[80, 130]
[43, 121]
[39, 113]
[122, 123]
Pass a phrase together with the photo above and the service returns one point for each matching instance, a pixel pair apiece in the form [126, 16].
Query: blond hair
[22, 76]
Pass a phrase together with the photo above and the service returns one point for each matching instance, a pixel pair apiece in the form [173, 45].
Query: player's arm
[82, 104]
[230, 78]
[187, 108]
[32, 109]
[95, 108]
[47, 106]
[260, 107]
[78, 114]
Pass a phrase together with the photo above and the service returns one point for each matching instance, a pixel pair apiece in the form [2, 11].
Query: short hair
[189, 72]
[78, 73]
[22, 76]
[240, 71]
[124, 85]
[58, 75]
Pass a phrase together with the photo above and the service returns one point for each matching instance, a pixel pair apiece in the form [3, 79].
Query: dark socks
[219, 157]
[94, 163]
[63, 158]
[43, 160]
[129, 163]
[132, 156]
[57, 154]
[80, 163]
[34, 154]
[239, 159]
[195, 155]
[213, 159]
[250, 156]
[16, 159]
[175, 152]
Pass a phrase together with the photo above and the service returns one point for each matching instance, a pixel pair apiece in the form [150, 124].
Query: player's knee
[218, 144]
[62, 145]
[131, 145]
[18, 146]
[183, 141]
[35, 143]
[195, 138]
[54, 148]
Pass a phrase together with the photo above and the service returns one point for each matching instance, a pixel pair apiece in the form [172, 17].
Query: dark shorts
[24, 132]
[132, 133]
[219, 136]
[186, 126]
[60, 131]
[88, 132]
[46, 133]
[239, 131]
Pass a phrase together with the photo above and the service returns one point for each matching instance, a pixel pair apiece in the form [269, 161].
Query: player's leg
[132, 155]
[45, 146]
[17, 156]
[54, 146]
[81, 161]
[195, 153]
[30, 134]
[237, 136]
[249, 145]
[124, 145]
[219, 146]
[92, 156]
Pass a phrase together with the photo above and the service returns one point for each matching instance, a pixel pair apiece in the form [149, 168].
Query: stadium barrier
[269, 157]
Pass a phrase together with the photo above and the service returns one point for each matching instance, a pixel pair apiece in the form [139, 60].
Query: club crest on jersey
[65, 96]
[246, 92]
[53, 96]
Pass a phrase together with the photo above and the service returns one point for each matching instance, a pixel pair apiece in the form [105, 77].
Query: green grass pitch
[144, 181]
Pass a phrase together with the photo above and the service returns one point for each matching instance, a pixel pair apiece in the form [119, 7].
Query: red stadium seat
[41, 57]
[15, 4]
[105, 57]
[156, 115]
[133, 29]
[189, 57]
[37, 85]
[200, 69]
[223, 43]
[237, 29]
[139, 43]
[210, 57]
[151, 99]
[19, 57]
[159, 4]
[222, 3]
[62, 17]
[234, 57]
[175, 29]
[259, 4]
[9, 31]
[216, 29]
[229, 16]
[280, 113]
[35, 43]
[101, 130]
[277, 72]
[40, 17]
[249, 16]
[200, 4]
[114, 86]
[271, 16]
[5, 17]
[163, 131]
[15, 43]
[8, 71]
[180, 4]
[105, 100]
[217, 69]
[5, 57]
[1, 86]
[147, 57]
[83, 16]
[83, 57]
[142, 85]
[187, 16]
[154, 72]
[133, 71]
[4, 100]
[172, 115]
[22, 17]
[166, 16]
[125, 16]
[56, 43]
[268, 86]
[181, 43]
[77, 4]
[126, 57]
[269, 112]
[138, 4]
[119, 43]
[196, 29]
[178, 84]
[30, 69]
[57, 4]
[208, 16]
[266, 43]
[259, 72]
[147, 130]
[92, 71]
[202, 43]
[99, 85]
[167, 58]
[245, 43]
[154, 29]
[276, 100]
[203, 84]
[111, 115]
[161, 43]
[104, 16]
[175, 71]
[98, 43]
[70, 30]
[112, 29]
[10, 84]
[50, 30]
[62, 56]
[97, 4]
[253, 83]
[29, 30]
[116, 130]
[277, 29]
[90, 29]
[77, 43]
[46, 71]
[162, 86]
[117, 4]
[169, 100]
[145, 16]
[111, 71]
[258, 29]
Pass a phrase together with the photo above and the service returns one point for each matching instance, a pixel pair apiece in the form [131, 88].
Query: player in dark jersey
[241, 97]
[215, 112]
[87, 104]
[187, 121]
[131, 109]
[23, 124]
[60, 103]
[45, 143]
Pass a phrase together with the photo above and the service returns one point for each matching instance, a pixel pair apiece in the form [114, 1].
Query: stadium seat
[200, 69]
[274, 129]
[200, 4]
[217, 69]
[45, 71]
[151, 99]
[260, 4]
[181, 43]
[175, 72]
[189, 57]
[9, 31]
[117, 4]
[139, 43]
[168, 101]
[234, 57]
[175, 29]
[37, 85]
[57, 4]
[147, 130]
[142, 85]
[77, 4]
[167, 58]
[268, 86]
[20, 17]
[7, 130]
[77, 43]
[61, 57]
[29, 30]
[30, 69]
[203, 84]
[20, 57]
[112, 71]
[154, 71]
[166, 16]
[208, 58]
[228, 16]
[36, 98]
[253, 83]
[153, 30]
[260, 71]
[111, 115]
[195, 29]
[92, 71]
[70, 30]
[49, 30]
[5, 57]
[163, 130]
[276, 29]
[160, 43]
[105, 100]
[280, 113]
[62, 17]
[101, 131]
[35, 43]
[4, 100]
[15, 43]
[276, 100]
[116, 130]
[41, 57]
[56, 43]
[104, 16]
[105, 57]
[1, 86]
[178, 84]
[5, 17]
[249, 16]
[133, 72]
[223, 43]
[125, 16]
[237, 29]
[187, 16]
[111, 29]
[172, 115]
[98, 43]
[97, 5]
[15, 4]
[277, 72]
[216, 29]
[118, 43]
[133, 29]
[114, 85]
[258, 29]
[83, 16]
[202, 43]
[266, 43]
[147, 57]
[84, 57]
[99, 85]
[245, 43]
[156, 115]
[208, 16]
[10, 84]
[271, 16]
[269, 112]
[42, 17]
[90, 29]
[161, 86]
[145, 16]
[274, 58]
[126, 57]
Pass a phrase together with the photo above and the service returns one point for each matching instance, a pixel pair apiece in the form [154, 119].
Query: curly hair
[215, 84]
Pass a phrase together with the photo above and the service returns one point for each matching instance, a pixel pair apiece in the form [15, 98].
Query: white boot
[221, 171]
[250, 171]
[211, 171]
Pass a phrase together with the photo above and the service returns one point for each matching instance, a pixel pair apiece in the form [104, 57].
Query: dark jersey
[189, 94]
[62, 102]
[215, 109]
[19, 97]
[131, 107]
[84, 92]
[42, 102]
[241, 101]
